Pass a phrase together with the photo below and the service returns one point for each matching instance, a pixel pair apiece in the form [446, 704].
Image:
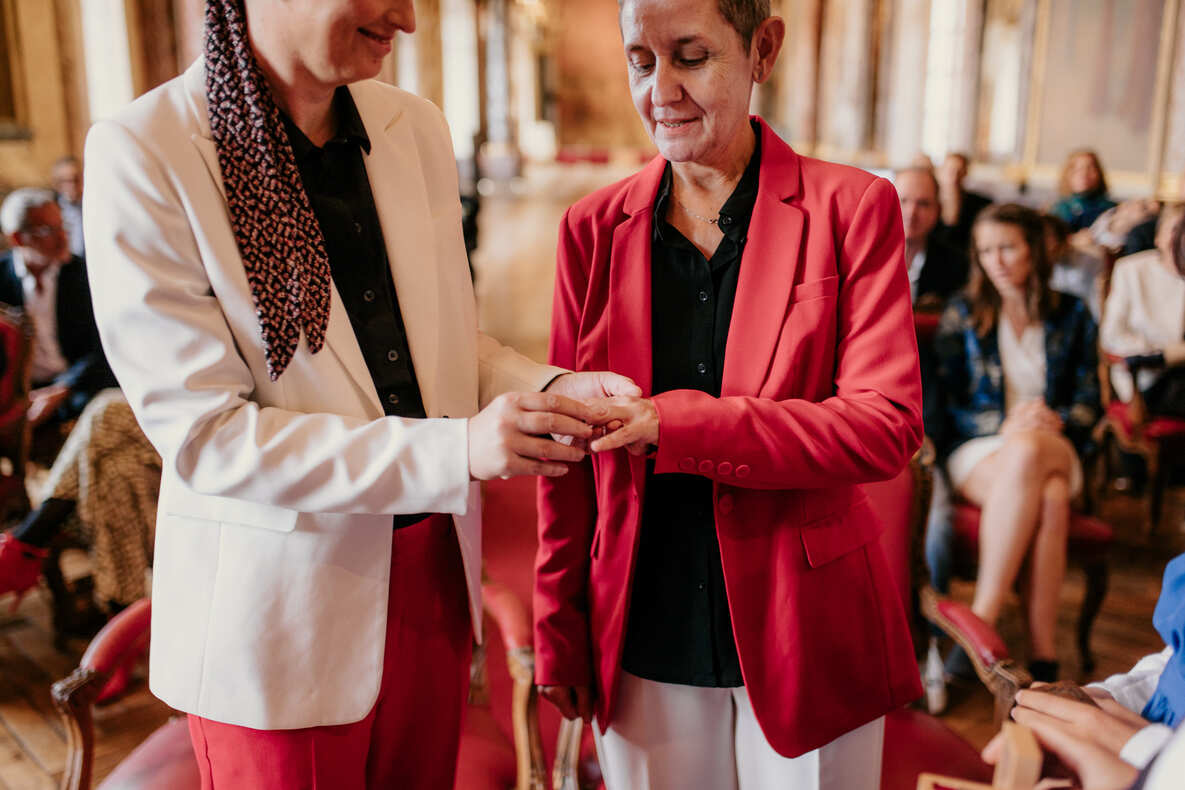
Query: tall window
[9, 111]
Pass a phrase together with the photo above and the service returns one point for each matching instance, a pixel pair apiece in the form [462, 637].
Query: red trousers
[409, 740]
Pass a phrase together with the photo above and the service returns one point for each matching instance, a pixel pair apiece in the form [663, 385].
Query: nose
[403, 16]
[665, 89]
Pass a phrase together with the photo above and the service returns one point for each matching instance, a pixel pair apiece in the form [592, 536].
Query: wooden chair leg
[1097, 576]
[1157, 479]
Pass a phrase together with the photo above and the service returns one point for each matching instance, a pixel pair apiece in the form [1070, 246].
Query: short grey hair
[743, 15]
[14, 212]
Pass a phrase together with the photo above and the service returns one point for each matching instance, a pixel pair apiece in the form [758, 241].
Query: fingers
[628, 434]
[591, 413]
[615, 384]
[1057, 706]
[542, 423]
[991, 752]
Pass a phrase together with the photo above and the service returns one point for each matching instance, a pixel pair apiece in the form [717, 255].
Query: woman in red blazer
[709, 582]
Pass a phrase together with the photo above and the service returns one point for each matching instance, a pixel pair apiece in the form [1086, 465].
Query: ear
[767, 43]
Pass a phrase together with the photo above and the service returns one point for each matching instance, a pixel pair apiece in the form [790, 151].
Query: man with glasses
[41, 276]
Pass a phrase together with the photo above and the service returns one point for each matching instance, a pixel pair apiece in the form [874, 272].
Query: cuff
[1144, 745]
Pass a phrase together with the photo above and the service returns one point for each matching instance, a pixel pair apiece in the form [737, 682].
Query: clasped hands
[540, 433]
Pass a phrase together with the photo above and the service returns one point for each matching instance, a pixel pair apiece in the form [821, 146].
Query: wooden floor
[514, 278]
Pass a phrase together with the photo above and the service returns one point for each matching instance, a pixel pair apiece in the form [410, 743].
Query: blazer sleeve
[567, 505]
[871, 426]
[176, 359]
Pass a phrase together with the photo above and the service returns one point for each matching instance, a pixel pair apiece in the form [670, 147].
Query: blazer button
[725, 503]
[724, 468]
[706, 467]
[743, 470]
[687, 464]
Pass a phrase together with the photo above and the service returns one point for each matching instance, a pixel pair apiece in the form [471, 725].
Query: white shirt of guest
[1144, 313]
[915, 273]
[41, 305]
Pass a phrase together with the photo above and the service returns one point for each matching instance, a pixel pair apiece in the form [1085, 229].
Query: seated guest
[1082, 189]
[959, 205]
[1128, 228]
[102, 489]
[1075, 268]
[67, 182]
[1016, 374]
[40, 275]
[936, 269]
[1145, 317]
[1136, 710]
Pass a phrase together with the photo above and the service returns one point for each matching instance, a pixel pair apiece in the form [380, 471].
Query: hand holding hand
[574, 702]
[633, 424]
[1087, 739]
[506, 437]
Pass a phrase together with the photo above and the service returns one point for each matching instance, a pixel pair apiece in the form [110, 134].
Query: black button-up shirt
[335, 179]
[679, 628]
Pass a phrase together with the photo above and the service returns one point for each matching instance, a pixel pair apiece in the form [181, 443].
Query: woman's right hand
[574, 702]
[1032, 415]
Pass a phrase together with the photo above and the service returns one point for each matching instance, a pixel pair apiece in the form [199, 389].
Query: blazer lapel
[630, 334]
[769, 268]
[401, 199]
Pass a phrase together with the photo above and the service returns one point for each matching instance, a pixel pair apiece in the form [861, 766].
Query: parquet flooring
[514, 266]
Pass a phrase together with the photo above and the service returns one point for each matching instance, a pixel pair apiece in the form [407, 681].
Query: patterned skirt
[111, 471]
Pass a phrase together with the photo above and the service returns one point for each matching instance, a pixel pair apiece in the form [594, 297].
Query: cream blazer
[273, 539]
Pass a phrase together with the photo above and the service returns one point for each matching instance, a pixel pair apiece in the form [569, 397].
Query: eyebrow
[679, 42]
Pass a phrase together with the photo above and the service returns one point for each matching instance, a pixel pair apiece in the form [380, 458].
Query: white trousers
[672, 737]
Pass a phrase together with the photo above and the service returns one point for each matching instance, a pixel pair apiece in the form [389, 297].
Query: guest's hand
[506, 437]
[574, 702]
[1174, 354]
[1085, 738]
[634, 424]
[44, 401]
[1032, 415]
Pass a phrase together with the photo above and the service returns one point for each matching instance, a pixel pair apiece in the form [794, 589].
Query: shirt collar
[350, 129]
[739, 206]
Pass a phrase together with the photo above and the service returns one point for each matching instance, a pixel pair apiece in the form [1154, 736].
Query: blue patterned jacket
[966, 397]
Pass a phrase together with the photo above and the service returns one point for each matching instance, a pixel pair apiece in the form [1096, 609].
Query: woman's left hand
[632, 423]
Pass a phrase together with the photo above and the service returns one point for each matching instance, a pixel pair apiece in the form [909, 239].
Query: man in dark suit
[959, 206]
[936, 268]
[41, 276]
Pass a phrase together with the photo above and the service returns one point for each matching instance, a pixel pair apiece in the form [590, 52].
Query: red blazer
[821, 392]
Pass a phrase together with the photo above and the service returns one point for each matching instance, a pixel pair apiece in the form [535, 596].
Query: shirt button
[687, 464]
[393, 399]
[724, 468]
[368, 295]
[702, 368]
[725, 220]
[392, 356]
[703, 296]
[701, 586]
[706, 467]
[357, 227]
[743, 470]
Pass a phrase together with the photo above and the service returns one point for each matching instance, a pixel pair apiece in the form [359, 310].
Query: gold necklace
[709, 220]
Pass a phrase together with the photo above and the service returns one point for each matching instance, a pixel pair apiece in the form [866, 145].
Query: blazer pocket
[177, 500]
[827, 286]
[834, 536]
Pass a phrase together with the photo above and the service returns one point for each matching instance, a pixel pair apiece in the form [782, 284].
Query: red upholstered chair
[987, 651]
[1089, 547]
[1158, 440]
[16, 343]
[915, 742]
[489, 759]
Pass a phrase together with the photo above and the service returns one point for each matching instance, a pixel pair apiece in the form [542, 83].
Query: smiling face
[1001, 249]
[332, 42]
[691, 75]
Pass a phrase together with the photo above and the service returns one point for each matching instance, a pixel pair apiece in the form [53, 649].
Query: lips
[378, 38]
